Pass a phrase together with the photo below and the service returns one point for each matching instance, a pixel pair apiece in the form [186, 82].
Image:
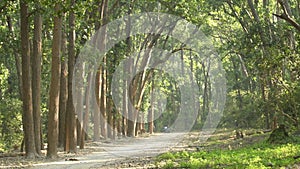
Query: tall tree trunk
[28, 123]
[63, 95]
[110, 119]
[36, 78]
[96, 118]
[205, 68]
[151, 112]
[130, 121]
[79, 105]
[126, 65]
[71, 134]
[54, 86]
[125, 104]
[264, 97]
[86, 114]
[103, 106]
[102, 45]
[97, 111]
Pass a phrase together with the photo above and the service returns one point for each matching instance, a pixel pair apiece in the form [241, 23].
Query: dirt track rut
[118, 151]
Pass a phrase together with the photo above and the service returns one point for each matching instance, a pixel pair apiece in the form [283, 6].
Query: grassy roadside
[260, 155]
[221, 151]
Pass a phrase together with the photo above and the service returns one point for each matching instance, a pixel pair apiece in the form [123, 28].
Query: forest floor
[137, 152]
[101, 154]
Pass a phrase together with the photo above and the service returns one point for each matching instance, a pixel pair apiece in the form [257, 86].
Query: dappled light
[149, 84]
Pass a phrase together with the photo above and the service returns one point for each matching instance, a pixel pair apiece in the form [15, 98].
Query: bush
[10, 124]
[260, 155]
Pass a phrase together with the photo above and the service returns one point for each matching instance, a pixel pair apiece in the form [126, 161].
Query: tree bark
[151, 112]
[28, 123]
[130, 99]
[127, 69]
[97, 111]
[71, 132]
[36, 78]
[110, 119]
[54, 86]
[103, 117]
[125, 104]
[63, 95]
[102, 45]
[86, 114]
[96, 118]
[79, 105]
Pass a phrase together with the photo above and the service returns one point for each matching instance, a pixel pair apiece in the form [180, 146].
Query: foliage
[10, 124]
[10, 114]
[259, 155]
[259, 52]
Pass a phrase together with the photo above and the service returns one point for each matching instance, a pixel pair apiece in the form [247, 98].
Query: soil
[101, 154]
[132, 152]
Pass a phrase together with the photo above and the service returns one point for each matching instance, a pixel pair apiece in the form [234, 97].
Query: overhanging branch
[289, 20]
[286, 16]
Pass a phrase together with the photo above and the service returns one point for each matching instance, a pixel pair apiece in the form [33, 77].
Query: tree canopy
[257, 43]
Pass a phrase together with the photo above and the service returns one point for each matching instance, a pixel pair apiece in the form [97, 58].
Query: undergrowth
[259, 155]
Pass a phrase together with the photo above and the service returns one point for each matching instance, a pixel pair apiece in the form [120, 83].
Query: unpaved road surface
[114, 152]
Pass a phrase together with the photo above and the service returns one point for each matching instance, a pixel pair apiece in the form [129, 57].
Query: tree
[28, 123]
[71, 127]
[102, 45]
[36, 78]
[152, 110]
[54, 85]
[84, 131]
[63, 94]
[257, 42]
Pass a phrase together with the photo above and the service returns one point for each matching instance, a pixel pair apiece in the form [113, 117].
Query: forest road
[118, 151]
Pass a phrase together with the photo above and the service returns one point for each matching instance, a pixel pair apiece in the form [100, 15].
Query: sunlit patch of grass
[169, 164]
[166, 156]
[260, 155]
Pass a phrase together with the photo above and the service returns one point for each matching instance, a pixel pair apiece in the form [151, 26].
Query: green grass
[260, 155]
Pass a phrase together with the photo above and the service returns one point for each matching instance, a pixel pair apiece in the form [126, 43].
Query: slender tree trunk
[102, 45]
[54, 86]
[125, 105]
[36, 78]
[28, 123]
[71, 132]
[264, 97]
[206, 69]
[97, 111]
[86, 114]
[115, 126]
[63, 95]
[131, 122]
[103, 117]
[151, 112]
[109, 105]
[79, 106]
[96, 118]
[110, 126]
[125, 112]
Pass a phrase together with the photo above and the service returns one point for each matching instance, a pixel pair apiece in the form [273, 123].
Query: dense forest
[72, 70]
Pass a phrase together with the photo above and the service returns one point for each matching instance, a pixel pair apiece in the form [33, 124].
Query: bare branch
[286, 15]
[289, 20]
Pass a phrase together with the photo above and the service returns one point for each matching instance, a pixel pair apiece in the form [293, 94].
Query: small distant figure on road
[166, 129]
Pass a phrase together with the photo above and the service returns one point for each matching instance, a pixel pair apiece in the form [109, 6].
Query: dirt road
[118, 151]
